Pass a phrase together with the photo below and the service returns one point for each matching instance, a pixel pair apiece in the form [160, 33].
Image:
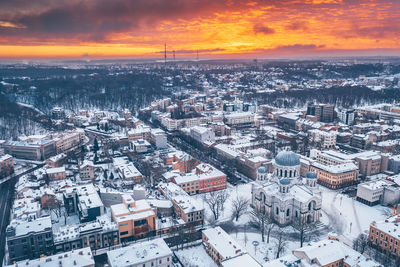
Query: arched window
[290, 173]
[297, 214]
[277, 172]
[281, 173]
[294, 173]
[277, 210]
[287, 212]
[285, 173]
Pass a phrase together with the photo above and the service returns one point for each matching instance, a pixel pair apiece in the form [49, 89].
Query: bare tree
[301, 226]
[259, 219]
[360, 243]
[269, 226]
[215, 200]
[281, 243]
[239, 206]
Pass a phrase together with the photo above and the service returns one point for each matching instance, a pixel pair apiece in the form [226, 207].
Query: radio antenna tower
[173, 54]
[197, 56]
[165, 54]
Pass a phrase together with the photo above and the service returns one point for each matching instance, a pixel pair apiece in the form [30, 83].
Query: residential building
[6, 165]
[185, 207]
[86, 170]
[143, 254]
[84, 201]
[346, 116]
[31, 149]
[55, 174]
[78, 258]
[29, 239]
[322, 139]
[203, 135]
[135, 219]
[385, 236]
[335, 176]
[99, 234]
[223, 248]
[323, 112]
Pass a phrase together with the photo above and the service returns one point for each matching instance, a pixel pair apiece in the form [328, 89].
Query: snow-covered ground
[263, 251]
[195, 257]
[348, 216]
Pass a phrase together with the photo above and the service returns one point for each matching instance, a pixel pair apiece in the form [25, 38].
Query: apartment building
[385, 236]
[204, 178]
[322, 139]
[84, 201]
[224, 250]
[101, 233]
[56, 174]
[144, 254]
[29, 239]
[79, 258]
[6, 165]
[185, 207]
[135, 219]
[38, 150]
[335, 176]
[86, 170]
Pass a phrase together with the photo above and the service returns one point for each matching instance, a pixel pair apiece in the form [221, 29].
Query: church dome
[285, 181]
[262, 170]
[311, 175]
[287, 158]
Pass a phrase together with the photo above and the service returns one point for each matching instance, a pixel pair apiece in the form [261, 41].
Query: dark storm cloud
[260, 28]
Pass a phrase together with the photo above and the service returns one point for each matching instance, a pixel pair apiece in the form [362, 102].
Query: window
[123, 224]
[277, 211]
[124, 233]
[287, 212]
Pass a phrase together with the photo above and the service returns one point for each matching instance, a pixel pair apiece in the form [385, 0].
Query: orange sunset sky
[216, 28]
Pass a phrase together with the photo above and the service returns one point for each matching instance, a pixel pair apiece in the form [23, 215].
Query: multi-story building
[31, 149]
[322, 139]
[96, 235]
[29, 239]
[323, 112]
[80, 258]
[346, 116]
[126, 170]
[6, 165]
[139, 146]
[185, 207]
[335, 176]
[158, 138]
[239, 119]
[55, 174]
[204, 178]
[384, 235]
[202, 134]
[222, 248]
[135, 219]
[84, 201]
[86, 170]
[146, 254]
[378, 192]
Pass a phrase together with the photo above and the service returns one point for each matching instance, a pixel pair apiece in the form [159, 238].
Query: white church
[284, 195]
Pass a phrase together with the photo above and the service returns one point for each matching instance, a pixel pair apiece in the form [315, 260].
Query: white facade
[322, 138]
[202, 134]
[284, 196]
[143, 254]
